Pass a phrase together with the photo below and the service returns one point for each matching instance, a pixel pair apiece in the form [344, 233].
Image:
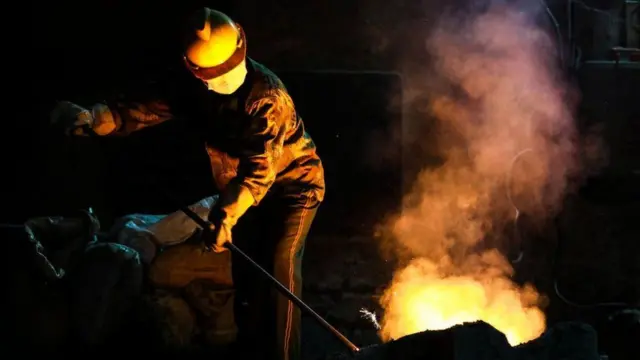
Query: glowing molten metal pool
[419, 300]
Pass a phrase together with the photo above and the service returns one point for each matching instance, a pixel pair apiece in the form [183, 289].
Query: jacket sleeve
[269, 118]
[125, 118]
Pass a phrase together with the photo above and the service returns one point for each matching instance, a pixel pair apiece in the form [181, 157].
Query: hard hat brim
[208, 73]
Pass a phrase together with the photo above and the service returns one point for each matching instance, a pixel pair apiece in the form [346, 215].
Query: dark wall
[355, 118]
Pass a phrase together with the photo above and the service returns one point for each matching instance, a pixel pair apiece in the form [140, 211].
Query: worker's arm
[265, 136]
[134, 116]
[109, 119]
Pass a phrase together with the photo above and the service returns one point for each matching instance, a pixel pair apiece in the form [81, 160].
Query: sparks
[371, 316]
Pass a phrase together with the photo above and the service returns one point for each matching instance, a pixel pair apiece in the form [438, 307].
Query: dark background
[341, 61]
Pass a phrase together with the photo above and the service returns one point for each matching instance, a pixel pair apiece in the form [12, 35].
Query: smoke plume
[506, 137]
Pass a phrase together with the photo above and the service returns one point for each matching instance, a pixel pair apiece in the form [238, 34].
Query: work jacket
[272, 153]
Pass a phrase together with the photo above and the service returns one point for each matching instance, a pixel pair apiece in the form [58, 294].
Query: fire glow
[493, 91]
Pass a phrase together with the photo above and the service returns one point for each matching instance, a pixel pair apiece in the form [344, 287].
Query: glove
[76, 120]
[221, 236]
[235, 201]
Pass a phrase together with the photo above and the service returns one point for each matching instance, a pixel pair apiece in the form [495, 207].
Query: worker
[264, 162]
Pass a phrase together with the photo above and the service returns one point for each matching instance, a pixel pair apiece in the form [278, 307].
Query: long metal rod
[208, 226]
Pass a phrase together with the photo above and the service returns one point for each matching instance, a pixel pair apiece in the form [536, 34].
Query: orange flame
[421, 299]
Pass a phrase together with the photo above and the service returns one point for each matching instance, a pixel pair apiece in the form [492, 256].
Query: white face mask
[230, 82]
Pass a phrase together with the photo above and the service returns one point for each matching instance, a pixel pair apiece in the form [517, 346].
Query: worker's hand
[76, 120]
[72, 118]
[222, 235]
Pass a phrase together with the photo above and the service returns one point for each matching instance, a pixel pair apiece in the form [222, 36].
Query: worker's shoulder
[265, 81]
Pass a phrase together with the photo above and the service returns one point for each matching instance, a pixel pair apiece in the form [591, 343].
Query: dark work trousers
[273, 234]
